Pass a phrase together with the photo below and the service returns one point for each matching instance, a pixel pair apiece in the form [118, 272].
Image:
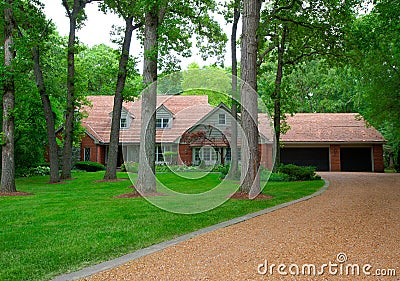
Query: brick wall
[184, 154]
[335, 157]
[378, 158]
[88, 142]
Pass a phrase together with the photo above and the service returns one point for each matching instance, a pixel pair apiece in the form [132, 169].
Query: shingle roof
[187, 111]
[330, 127]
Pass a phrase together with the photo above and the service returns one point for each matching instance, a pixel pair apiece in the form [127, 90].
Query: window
[86, 154]
[228, 156]
[162, 123]
[159, 154]
[123, 123]
[222, 119]
[207, 154]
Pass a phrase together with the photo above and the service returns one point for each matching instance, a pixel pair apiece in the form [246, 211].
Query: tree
[8, 160]
[74, 11]
[250, 182]
[146, 181]
[99, 65]
[38, 31]
[376, 48]
[166, 30]
[206, 135]
[128, 15]
[234, 108]
[316, 86]
[294, 31]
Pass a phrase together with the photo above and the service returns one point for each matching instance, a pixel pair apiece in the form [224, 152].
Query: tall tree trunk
[70, 109]
[111, 172]
[48, 113]
[276, 97]
[250, 182]
[7, 155]
[234, 170]
[78, 6]
[146, 181]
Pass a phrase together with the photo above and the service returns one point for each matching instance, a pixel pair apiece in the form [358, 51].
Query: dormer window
[126, 119]
[123, 123]
[222, 119]
[163, 123]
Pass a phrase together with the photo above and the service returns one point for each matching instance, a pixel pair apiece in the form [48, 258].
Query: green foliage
[279, 177]
[214, 98]
[208, 78]
[130, 167]
[33, 171]
[375, 40]
[89, 166]
[315, 86]
[97, 72]
[223, 169]
[298, 173]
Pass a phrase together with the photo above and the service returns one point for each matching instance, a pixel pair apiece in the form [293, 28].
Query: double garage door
[351, 158]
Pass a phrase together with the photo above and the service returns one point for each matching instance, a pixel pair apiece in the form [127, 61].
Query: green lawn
[65, 227]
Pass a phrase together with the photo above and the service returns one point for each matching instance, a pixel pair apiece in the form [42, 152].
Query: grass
[65, 227]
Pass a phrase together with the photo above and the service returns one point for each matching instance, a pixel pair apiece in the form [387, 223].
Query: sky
[98, 26]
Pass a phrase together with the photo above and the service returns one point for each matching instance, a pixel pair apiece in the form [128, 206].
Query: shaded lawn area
[65, 227]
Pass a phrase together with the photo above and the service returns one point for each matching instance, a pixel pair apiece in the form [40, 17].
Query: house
[189, 130]
[174, 115]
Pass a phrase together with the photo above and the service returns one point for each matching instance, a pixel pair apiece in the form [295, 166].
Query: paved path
[358, 216]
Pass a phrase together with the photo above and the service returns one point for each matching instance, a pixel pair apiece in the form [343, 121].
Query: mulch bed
[245, 196]
[116, 180]
[18, 193]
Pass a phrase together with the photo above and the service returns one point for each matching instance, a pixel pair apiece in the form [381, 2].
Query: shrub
[162, 169]
[33, 171]
[223, 169]
[279, 177]
[131, 167]
[268, 175]
[89, 166]
[298, 173]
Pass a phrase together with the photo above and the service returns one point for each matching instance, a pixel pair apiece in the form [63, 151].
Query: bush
[298, 173]
[162, 169]
[89, 166]
[223, 169]
[33, 171]
[131, 167]
[279, 177]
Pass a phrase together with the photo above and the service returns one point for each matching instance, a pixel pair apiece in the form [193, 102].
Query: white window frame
[123, 124]
[165, 123]
[223, 115]
[208, 154]
[159, 154]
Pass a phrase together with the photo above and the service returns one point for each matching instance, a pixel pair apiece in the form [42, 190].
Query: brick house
[331, 142]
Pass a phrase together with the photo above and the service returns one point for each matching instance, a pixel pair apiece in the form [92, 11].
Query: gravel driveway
[353, 225]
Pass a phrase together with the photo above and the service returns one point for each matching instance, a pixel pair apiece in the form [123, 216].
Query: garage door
[317, 157]
[356, 159]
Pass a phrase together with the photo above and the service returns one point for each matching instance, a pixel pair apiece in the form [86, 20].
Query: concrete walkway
[350, 232]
